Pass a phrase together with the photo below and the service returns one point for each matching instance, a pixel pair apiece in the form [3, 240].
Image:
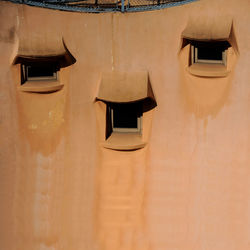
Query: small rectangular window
[209, 52]
[39, 72]
[125, 117]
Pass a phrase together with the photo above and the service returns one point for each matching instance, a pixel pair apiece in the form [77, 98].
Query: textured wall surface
[187, 189]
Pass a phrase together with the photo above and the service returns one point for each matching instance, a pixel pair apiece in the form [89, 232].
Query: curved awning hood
[121, 87]
[43, 48]
[203, 28]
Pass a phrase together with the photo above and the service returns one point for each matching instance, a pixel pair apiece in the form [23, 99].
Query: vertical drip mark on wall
[42, 202]
[112, 41]
[17, 21]
[20, 17]
[121, 201]
[205, 127]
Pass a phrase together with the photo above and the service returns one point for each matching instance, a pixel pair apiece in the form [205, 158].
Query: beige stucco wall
[187, 189]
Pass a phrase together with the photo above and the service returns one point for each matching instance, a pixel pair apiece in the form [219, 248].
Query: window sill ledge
[41, 86]
[124, 142]
[208, 70]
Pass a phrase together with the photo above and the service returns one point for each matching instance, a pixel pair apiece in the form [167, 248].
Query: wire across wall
[98, 6]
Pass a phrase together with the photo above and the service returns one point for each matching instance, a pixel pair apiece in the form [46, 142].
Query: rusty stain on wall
[186, 189]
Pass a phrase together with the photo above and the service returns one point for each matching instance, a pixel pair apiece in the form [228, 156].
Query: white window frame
[194, 57]
[126, 130]
[38, 78]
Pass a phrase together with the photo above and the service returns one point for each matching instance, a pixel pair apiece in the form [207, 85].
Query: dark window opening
[39, 72]
[209, 52]
[124, 117]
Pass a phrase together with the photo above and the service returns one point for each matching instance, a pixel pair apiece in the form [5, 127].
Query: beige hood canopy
[121, 87]
[208, 28]
[43, 48]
